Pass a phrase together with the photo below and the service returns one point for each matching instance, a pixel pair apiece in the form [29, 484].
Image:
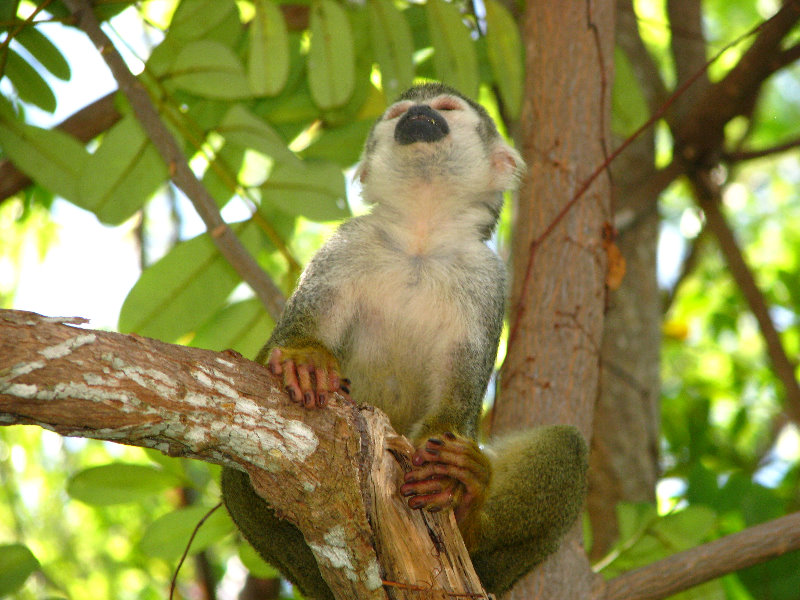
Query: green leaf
[454, 56]
[504, 49]
[634, 518]
[268, 59]
[30, 86]
[52, 158]
[209, 69]
[193, 19]
[167, 536]
[315, 190]
[182, 290]
[8, 11]
[241, 127]
[331, 60]
[255, 564]
[122, 173]
[341, 145]
[118, 483]
[686, 528]
[220, 177]
[17, 563]
[242, 326]
[629, 107]
[645, 537]
[392, 45]
[43, 50]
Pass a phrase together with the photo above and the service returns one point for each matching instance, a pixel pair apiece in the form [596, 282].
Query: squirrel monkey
[402, 309]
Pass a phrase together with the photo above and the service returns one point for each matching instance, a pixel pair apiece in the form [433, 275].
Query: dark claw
[436, 442]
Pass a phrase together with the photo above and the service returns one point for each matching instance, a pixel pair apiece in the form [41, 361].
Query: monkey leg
[536, 493]
[277, 541]
[310, 373]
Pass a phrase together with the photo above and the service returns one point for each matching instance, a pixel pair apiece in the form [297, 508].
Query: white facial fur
[463, 159]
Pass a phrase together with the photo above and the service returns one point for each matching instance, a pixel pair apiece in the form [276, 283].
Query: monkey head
[434, 138]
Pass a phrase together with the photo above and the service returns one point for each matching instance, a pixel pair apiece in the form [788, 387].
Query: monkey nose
[420, 124]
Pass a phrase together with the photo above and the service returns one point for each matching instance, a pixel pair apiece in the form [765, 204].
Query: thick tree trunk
[558, 296]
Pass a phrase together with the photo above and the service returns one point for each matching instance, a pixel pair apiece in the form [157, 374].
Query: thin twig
[197, 527]
[742, 155]
[182, 176]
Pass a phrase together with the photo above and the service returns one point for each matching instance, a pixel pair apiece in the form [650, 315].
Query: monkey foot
[449, 471]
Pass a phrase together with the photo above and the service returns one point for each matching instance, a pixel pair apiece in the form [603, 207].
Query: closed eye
[446, 103]
[395, 111]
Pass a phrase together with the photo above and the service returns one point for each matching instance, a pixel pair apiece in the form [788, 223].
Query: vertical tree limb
[551, 370]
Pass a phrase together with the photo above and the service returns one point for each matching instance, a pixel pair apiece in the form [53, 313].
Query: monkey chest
[414, 299]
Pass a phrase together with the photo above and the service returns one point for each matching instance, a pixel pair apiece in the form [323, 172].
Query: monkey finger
[275, 361]
[471, 461]
[290, 382]
[473, 486]
[306, 388]
[422, 488]
[322, 379]
[434, 502]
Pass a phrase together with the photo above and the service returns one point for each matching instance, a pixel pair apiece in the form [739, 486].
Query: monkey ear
[507, 166]
[361, 171]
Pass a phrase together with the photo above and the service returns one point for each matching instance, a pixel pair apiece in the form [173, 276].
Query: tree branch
[701, 134]
[709, 561]
[688, 46]
[183, 177]
[742, 155]
[327, 471]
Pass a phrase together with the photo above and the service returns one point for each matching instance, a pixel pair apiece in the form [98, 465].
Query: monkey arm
[301, 347]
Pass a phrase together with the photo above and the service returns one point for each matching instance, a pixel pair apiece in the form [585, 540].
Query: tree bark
[623, 464]
[551, 370]
[331, 472]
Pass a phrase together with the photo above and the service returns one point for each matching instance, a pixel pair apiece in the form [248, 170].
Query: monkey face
[437, 140]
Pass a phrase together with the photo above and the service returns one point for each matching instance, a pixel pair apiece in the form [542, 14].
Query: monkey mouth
[421, 123]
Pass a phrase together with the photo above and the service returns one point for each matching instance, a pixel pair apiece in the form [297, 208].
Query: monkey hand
[449, 471]
[310, 374]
